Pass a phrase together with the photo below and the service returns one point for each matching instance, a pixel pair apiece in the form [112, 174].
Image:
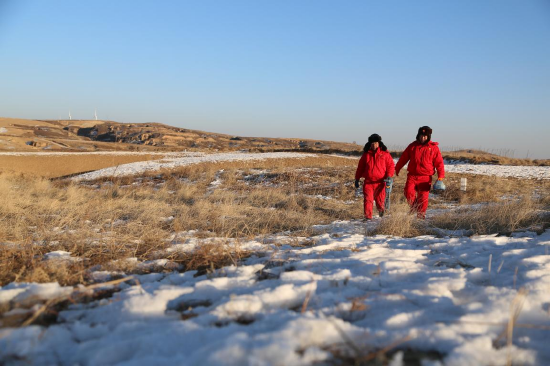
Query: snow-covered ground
[531, 172]
[174, 161]
[347, 293]
[338, 295]
[183, 159]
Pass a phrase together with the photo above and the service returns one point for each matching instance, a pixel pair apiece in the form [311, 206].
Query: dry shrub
[63, 273]
[38, 216]
[543, 196]
[209, 256]
[400, 222]
[26, 264]
[503, 217]
[493, 204]
[481, 189]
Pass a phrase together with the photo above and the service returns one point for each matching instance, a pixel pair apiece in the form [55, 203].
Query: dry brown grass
[483, 188]
[210, 255]
[494, 205]
[105, 222]
[490, 205]
[263, 203]
[501, 217]
[108, 221]
[52, 166]
[400, 222]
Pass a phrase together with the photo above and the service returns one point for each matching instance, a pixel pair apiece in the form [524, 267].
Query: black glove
[356, 183]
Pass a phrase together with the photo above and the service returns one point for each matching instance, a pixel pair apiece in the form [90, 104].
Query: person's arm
[404, 159]
[439, 165]
[390, 166]
[360, 170]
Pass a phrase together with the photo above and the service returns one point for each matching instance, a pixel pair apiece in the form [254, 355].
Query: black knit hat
[425, 131]
[375, 138]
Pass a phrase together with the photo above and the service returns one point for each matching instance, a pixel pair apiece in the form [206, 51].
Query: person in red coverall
[375, 165]
[424, 159]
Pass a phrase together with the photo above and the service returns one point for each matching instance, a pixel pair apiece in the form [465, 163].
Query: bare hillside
[86, 135]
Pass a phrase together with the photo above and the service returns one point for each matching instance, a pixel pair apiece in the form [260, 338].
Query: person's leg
[380, 196]
[368, 197]
[410, 190]
[424, 184]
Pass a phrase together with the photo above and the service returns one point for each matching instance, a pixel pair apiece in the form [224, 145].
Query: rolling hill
[91, 135]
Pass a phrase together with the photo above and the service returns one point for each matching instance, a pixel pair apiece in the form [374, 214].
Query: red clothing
[375, 166]
[373, 192]
[424, 159]
[417, 191]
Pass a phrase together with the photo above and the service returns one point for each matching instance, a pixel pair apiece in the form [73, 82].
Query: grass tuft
[400, 222]
[489, 218]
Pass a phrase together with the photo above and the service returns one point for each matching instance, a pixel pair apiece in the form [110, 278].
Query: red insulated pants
[417, 191]
[373, 192]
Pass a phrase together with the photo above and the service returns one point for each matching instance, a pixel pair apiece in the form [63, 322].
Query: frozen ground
[531, 172]
[340, 295]
[346, 293]
[182, 159]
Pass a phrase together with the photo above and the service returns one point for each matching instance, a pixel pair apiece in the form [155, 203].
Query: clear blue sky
[476, 71]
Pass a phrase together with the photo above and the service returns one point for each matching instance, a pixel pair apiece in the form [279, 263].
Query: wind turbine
[70, 116]
[95, 114]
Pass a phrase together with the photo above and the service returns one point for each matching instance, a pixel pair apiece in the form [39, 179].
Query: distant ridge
[91, 135]
[20, 135]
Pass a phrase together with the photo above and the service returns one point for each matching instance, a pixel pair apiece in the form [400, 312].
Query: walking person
[424, 159]
[375, 165]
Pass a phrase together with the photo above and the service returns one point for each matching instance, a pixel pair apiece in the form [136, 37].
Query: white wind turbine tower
[95, 114]
[70, 116]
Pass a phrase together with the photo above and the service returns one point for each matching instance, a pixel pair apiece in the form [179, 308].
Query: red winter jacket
[375, 166]
[423, 159]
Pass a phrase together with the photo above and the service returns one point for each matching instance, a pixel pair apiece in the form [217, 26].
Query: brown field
[53, 166]
[111, 219]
